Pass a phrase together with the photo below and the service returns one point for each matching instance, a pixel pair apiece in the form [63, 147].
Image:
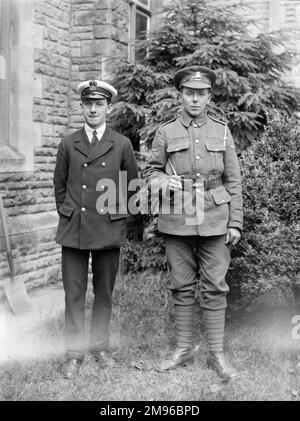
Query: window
[140, 17]
[4, 71]
[18, 133]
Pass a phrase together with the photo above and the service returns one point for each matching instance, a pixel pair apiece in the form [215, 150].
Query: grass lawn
[259, 343]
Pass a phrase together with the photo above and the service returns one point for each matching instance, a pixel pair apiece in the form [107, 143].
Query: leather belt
[203, 184]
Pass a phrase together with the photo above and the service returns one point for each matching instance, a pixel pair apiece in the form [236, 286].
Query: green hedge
[268, 257]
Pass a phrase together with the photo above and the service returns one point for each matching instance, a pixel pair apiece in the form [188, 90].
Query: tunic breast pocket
[216, 148]
[179, 152]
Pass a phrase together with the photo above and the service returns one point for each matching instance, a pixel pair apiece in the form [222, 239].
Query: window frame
[142, 5]
[135, 6]
[5, 80]
[23, 133]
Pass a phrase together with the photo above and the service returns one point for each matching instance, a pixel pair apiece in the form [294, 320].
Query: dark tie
[95, 138]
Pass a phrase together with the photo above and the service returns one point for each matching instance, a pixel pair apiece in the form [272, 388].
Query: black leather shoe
[179, 358]
[103, 359]
[70, 367]
[218, 362]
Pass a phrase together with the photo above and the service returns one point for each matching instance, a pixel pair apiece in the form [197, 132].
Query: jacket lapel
[103, 146]
[82, 143]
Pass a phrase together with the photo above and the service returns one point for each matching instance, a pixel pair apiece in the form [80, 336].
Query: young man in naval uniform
[193, 158]
[85, 158]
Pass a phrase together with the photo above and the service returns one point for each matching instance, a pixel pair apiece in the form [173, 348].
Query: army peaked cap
[196, 77]
[95, 89]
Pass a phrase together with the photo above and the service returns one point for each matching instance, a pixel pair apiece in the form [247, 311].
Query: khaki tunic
[201, 149]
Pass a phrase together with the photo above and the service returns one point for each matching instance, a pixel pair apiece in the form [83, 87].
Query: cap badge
[93, 85]
[197, 76]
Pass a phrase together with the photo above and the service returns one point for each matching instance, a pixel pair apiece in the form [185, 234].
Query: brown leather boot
[218, 362]
[179, 358]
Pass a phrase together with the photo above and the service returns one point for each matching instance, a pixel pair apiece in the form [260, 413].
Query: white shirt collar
[89, 131]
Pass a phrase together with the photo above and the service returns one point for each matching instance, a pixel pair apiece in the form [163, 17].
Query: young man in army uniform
[193, 157]
[85, 158]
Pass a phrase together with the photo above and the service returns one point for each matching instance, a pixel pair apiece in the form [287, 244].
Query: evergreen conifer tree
[250, 70]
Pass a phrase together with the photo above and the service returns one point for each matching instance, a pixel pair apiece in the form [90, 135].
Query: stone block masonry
[28, 196]
[98, 33]
[72, 41]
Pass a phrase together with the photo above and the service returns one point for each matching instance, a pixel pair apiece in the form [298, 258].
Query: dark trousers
[189, 255]
[105, 265]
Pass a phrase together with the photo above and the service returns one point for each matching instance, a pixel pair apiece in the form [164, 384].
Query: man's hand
[233, 236]
[175, 182]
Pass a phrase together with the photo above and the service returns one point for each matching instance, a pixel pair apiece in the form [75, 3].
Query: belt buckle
[213, 183]
[198, 186]
[186, 184]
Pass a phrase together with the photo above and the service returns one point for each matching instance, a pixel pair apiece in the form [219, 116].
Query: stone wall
[28, 196]
[99, 32]
[271, 15]
[72, 40]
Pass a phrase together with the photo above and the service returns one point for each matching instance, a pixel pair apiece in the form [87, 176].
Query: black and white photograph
[149, 203]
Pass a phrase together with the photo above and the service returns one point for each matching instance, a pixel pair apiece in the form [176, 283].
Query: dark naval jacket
[79, 181]
[203, 153]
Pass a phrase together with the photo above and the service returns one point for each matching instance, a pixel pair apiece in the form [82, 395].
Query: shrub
[140, 256]
[268, 256]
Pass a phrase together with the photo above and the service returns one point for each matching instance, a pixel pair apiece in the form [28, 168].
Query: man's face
[95, 111]
[195, 101]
